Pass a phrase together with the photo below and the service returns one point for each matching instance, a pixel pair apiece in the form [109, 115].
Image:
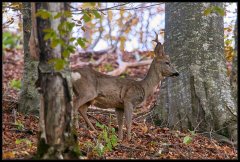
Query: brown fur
[104, 91]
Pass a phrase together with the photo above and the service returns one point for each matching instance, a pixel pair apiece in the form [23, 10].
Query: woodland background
[115, 38]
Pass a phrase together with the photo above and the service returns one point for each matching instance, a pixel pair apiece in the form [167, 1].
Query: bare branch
[103, 9]
[91, 47]
[114, 8]
[126, 65]
[99, 109]
[100, 52]
[110, 28]
[93, 63]
[147, 28]
[127, 24]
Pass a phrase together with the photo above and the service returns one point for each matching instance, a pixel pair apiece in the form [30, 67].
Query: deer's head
[163, 64]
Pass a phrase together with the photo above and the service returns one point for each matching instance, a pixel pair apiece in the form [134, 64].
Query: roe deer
[94, 88]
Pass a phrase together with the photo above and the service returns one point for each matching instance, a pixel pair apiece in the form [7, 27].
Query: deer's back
[110, 91]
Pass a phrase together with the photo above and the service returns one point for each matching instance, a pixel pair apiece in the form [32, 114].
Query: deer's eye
[167, 63]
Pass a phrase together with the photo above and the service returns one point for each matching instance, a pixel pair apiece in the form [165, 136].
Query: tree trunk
[233, 76]
[57, 139]
[29, 97]
[200, 98]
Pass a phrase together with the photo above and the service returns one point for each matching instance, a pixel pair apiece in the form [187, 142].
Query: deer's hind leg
[128, 110]
[119, 113]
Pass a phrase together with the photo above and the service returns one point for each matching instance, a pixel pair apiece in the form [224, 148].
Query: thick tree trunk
[201, 96]
[29, 97]
[233, 76]
[57, 139]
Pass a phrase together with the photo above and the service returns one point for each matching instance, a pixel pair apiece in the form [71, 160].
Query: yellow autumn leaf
[121, 11]
[135, 21]
[128, 30]
[86, 5]
[144, 129]
[8, 155]
[150, 54]
[122, 39]
[110, 15]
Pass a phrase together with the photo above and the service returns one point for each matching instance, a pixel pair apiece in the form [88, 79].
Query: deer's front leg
[83, 110]
[119, 113]
[128, 110]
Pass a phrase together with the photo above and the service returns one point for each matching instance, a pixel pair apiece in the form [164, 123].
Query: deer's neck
[152, 79]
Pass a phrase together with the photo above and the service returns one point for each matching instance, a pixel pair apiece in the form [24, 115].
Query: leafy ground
[148, 142]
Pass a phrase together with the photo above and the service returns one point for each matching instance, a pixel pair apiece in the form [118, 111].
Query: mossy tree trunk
[200, 98]
[29, 97]
[57, 138]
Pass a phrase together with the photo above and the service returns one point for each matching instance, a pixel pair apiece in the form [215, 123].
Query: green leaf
[100, 149]
[50, 35]
[28, 142]
[86, 17]
[187, 140]
[18, 141]
[228, 41]
[66, 53]
[47, 36]
[69, 26]
[57, 15]
[67, 13]
[114, 140]
[16, 84]
[105, 135]
[92, 4]
[81, 42]
[192, 133]
[44, 14]
[207, 11]
[19, 125]
[58, 63]
[109, 146]
[99, 125]
[113, 130]
[72, 39]
[48, 30]
[71, 48]
[96, 14]
[62, 42]
[10, 40]
[219, 10]
[55, 42]
[62, 28]
[84, 39]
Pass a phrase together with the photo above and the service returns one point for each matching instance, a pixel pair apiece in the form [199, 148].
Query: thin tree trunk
[201, 96]
[57, 138]
[29, 97]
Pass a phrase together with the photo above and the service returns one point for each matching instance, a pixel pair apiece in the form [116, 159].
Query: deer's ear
[159, 50]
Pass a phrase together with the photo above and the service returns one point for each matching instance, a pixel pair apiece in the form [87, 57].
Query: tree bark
[200, 98]
[233, 75]
[29, 97]
[57, 138]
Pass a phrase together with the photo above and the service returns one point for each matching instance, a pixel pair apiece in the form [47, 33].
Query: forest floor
[19, 136]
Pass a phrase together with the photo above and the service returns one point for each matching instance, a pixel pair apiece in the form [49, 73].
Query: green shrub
[10, 40]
